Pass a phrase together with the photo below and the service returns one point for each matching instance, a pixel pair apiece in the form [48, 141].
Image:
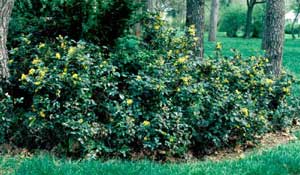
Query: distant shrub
[149, 96]
[233, 20]
[288, 29]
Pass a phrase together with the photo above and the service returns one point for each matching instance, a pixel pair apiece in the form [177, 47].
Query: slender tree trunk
[195, 16]
[150, 5]
[294, 22]
[214, 14]
[249, 21]
[274, 34]
[137, 27]
[5, 12]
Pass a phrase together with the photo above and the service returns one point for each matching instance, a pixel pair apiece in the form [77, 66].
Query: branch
[259, 2]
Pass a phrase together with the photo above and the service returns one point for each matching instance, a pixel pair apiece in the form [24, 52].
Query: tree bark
[274, 34]
[249, 21]
[250, 8]
[150, 5]
[214, 14]
[137, 27]
[195, 16]
[5, 12]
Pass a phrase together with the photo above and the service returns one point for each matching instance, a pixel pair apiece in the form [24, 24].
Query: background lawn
[249, 47]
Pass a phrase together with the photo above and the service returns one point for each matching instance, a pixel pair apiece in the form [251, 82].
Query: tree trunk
[249, 21]
[150, 5]
[195, 16]
[137, 27]
[5, 12]
[294, 22]
[214, 13]
[229, 2]
[274, 34]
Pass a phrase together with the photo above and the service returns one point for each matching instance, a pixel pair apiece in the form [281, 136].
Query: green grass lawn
[248, 47]
[281, 160]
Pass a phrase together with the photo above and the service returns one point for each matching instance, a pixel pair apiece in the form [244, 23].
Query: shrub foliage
[149, 95]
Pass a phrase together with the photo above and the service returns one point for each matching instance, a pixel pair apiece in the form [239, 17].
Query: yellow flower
[186, 79]
[245, 112]
[129, 101]
[139, 78]
[71, 51]
[57, 55]
[237, 92]
[42, 45]
[182, 59]
[80, 120]
[219, 46]
[75, 76]
[63, 45]
[146, 138]
[170, 52]
[42, 73]
[262, 118]
[42, 114]
[270, 89]
[146, 123]
[269, 81]
[156, 27]
[31, 71]
[286, 90]
[58, 93]
[37, 83]
[192, 30]
[226, 81]
[23, 77]
[36, 61]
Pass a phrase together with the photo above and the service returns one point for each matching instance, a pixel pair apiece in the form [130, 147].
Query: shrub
[6, 114]
[149, 96]
[233, 20]
[288, 29]
[97, 21]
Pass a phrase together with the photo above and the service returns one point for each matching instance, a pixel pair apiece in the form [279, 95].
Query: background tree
[250, 7]
[274, 34]
[6, 9]
[214, 14]
[195, 16]
[296, 9]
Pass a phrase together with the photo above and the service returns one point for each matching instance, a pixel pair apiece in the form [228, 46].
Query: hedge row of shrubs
[150, 95]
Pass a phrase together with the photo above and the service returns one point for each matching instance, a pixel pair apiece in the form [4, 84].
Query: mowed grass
[249, 47]
[281, 160]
